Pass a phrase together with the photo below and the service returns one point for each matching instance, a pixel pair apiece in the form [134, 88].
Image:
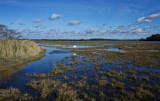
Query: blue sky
[63, 19]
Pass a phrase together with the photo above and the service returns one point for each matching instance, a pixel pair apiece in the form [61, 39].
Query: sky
[81, 19]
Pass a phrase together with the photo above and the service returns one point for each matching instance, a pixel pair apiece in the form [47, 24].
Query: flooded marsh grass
[13, 94]
[95, 74]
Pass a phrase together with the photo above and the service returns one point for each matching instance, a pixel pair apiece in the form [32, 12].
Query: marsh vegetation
[95, 74]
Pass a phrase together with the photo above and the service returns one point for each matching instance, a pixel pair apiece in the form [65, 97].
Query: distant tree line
[8, 33]
[154, 37]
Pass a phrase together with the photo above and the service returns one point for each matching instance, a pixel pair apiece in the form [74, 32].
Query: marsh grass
[115, 84]
[45, 86]
[157, 77]
[105, 75]
[78, 62]
[65, 68]
[56, 71]
[13, 94]
[113, 74]
[130, 72]
[66, 93]
[18, 48]
[65, 78]
[102, 83]
[41, 76]
[149, 72]
[145, 79]
[83, 78]
[70, 63]
[74, 77]
[133, 78]
[79, 84]
[144, 94]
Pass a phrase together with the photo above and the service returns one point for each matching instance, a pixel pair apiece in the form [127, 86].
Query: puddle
[74, 54]
[64, 46]
[45, 43]
[77, 46]
[153, 50]
[60, 51]
[49, 45]
[147, 50]
[113, 50]
[108, 44]
[128, 47]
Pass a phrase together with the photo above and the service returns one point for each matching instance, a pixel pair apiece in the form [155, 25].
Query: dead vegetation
[102, 83]
[13, 94]
[66, 93]
[45, 86]
[18, 48]
[143, 94]
[115, 84]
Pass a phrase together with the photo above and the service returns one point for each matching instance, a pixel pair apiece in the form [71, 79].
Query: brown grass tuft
[65, 93]
[45, 86]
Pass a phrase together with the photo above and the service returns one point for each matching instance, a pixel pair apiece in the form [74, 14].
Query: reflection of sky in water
[60, 52]
[66, 46]
[77, 46]
[128, 47]
[74, 54]
[113, 49]
[108, 44]
[119, 50]
[147, 50]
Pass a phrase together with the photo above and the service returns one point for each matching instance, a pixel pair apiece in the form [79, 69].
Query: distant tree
[8, 33]
[154, 37]
[142, 39]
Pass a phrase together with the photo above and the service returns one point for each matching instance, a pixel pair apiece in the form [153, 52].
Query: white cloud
[55, 16]
[149, 18]
[38, 21]
[149, 27]
[120, 30]
[156, 15]
[25, 31]
[74, 22]
[117, 32]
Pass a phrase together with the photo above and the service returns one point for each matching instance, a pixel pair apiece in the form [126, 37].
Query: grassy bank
[18, 52]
